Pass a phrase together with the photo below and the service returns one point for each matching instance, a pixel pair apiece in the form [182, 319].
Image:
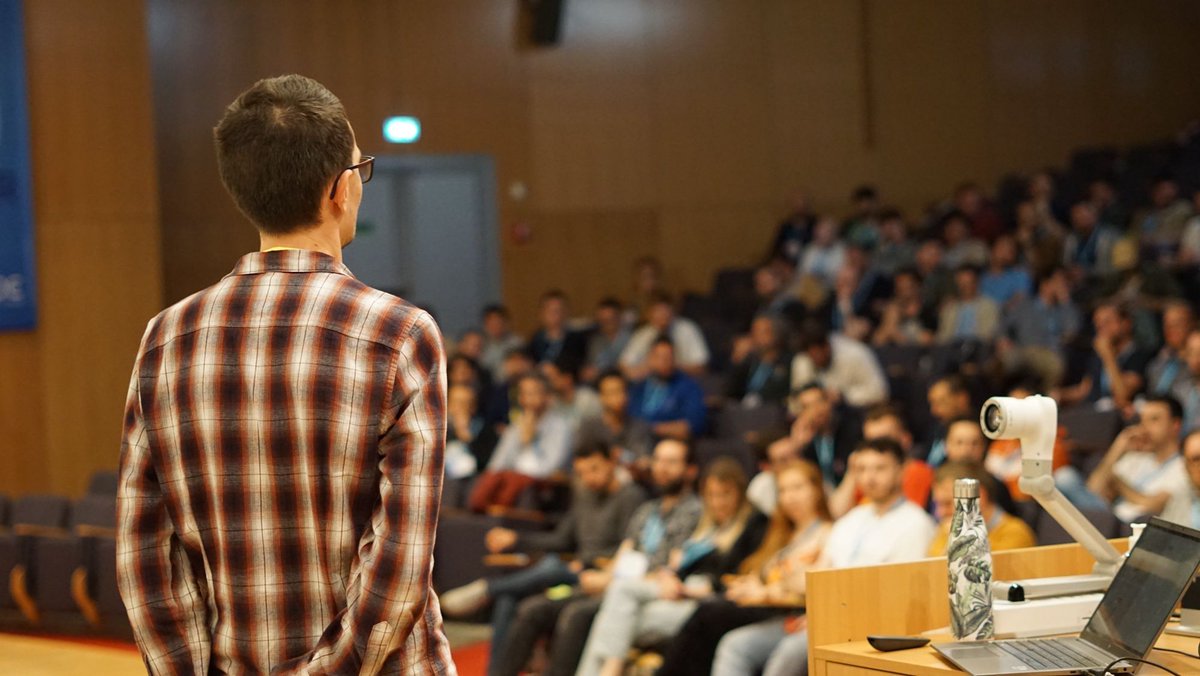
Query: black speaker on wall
[545, 24]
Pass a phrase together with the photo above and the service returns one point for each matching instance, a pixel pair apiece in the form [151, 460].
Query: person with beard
[656, 529]
[824, 433]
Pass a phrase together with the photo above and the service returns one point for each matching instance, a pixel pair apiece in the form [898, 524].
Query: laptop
[1127, 622]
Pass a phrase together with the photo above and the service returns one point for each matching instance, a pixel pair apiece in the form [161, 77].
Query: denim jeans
[507, 591]
[764, 646]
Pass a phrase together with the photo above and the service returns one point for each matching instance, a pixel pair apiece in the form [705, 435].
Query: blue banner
[18, 294]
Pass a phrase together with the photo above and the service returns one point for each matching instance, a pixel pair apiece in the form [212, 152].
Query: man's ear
[341, 192]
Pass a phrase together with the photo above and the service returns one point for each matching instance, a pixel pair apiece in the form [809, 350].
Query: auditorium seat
[69, 567]
[749, 425]
[103, 482]
[35, 518]
[1050, 532]
[1090, 432]
[708, 450]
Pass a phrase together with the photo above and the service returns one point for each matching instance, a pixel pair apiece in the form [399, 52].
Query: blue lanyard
[656, 396]
[937, 453]
[1168, 374]
[1141, 485]
[824, 446]
[762, 372]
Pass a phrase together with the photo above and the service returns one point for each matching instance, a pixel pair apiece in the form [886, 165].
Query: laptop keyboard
[1052, 654]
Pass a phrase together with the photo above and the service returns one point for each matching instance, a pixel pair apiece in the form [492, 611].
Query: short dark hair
[814, 334]
[610, 302]
[662, 339]
[495, 309]
[592, 448]
[612, 373]
[885, 445]
[810, 385]
[954, 381]
[279, 145]
[881, 411]
[864, 192]
[1172, 404]
[662, 298]
[554, 294]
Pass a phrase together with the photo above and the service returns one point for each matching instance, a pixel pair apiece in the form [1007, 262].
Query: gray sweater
[593, 527]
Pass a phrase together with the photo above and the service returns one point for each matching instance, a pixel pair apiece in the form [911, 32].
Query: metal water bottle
[970, 561]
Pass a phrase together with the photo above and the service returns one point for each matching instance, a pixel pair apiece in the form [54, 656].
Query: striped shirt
[280, 478]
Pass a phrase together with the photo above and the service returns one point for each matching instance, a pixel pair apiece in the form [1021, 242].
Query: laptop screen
[1145, 590]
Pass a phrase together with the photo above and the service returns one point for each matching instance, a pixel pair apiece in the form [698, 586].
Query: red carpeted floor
[472, 660]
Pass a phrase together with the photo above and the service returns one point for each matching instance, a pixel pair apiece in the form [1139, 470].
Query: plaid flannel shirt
[281, 473]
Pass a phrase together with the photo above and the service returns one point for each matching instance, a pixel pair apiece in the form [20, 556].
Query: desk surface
[859, 658]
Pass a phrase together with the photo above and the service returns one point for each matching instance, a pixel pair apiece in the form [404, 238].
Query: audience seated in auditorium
[1184, 506]
[554, 338]
[761, 491]
[1187, 386]
[607, 340]
[969, 315]
[469, 439]
[895, 249]
[1006, 280]
[691, 350]
[772, 294]
[1005, 531]
[463, 370]
[906, 318]
[1168, 367]
[1142, 469]
[857, 290]
[761, 369]
[577, 402]
[983, 218]
[627, 438]
[535, 446]
[825, 432]
[825, 255]
[1114, 369]
[961, 248]
[668, 399]
[1004, 455]
[769, 580]
[470, 344]
[657, 529]
[861, 229]
[500, 408]
[847, 369]
[965, 443]
[794, 232]
[949, 398]
[1160, 227]
[1041, 193]
[1102, 195]
[646, 610]
[937, 282]
[498, 340]
[602, 502]
[1034, 335]
[648, 285]
[1039, 237]
[1088, 247]
[884, 421]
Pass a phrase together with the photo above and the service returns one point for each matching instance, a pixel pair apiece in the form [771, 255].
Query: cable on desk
[1104, 671]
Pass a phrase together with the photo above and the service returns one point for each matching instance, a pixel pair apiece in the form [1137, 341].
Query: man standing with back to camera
[281, 464]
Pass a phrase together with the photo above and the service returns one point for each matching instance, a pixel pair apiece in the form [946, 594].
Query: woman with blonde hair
[771, 579]
[653, 607]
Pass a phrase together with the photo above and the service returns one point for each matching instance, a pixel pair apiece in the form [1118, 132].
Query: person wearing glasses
[281, 463]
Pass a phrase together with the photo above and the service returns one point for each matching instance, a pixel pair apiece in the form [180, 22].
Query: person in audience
[640, 610]
[575, 401]
[937, 283]
[895, 250]
[771, 578]
[961, 248]
[656, 529]
[1102, 196]
[1188, 257]
[469, 439]
[885, 420]
[825, 255]
[856, 289]
[470, 344]
[1035, 334]
[627, 438]
[761, 491]
[500, 408]
[607, 340]
[862, 228]
[1114, 369]
[602, 503]
[772, 295]
[1006, 281]
[824, 432]
[969, 316]
[668, 399]
[535, 446]
[1160, 227]
[498, 340]
[1187, 387]
[1142, 469]
[691, 349]
[1178, 322]
[906, 319]
[1004, 460]
[1089, 245]
[463, 370]
[847, 369]
[965, 442]
[554, 338]
[887, 527]
[760, 374]
[1184, 507]
[1039, 236]
[648, 285]
[1005, 531]
[794, 232]
[949, 398]
[983, 218]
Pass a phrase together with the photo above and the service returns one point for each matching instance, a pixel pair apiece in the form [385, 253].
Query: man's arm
[1151, 504]
[166, 606]
[1100, 481]
[388, 589]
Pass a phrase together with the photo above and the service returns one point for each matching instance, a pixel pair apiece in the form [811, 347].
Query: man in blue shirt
[670, 401]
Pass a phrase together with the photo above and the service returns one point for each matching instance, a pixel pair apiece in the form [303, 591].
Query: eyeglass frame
[367, 160]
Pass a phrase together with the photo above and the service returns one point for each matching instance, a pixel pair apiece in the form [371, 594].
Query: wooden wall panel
[96, 230]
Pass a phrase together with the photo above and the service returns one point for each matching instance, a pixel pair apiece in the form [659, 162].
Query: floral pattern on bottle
[969, 558]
